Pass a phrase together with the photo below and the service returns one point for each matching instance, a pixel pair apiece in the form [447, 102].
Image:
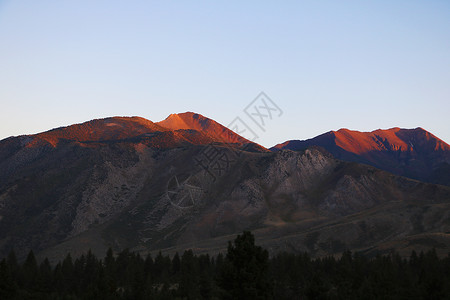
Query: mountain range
[189, 182]
[414, 153]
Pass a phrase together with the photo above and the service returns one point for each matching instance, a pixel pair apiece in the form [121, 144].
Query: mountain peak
[176, 129]
[415, 153]
[186, 120]
[195, 121]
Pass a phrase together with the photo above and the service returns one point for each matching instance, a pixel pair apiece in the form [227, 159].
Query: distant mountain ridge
[122, 128]
[190, 120]
[414, 153]
[100, 130]
[195, 129]
[127, 182]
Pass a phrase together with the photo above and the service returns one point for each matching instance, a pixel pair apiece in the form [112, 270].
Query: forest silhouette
[245, 272]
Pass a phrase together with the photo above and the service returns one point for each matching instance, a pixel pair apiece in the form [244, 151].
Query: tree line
[244, 272]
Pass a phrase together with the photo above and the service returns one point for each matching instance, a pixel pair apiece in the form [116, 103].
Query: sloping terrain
[148, 187]
[292, 201]
[415, 153]
[212, 129]
[189, 120]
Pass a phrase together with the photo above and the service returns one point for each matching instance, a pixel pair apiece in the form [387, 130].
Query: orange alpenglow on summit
[414, 153]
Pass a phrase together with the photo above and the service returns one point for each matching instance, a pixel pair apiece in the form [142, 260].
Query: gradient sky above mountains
[326, 64]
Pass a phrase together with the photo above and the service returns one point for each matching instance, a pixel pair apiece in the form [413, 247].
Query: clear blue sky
[361, 65]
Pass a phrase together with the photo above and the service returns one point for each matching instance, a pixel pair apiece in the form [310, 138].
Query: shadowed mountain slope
[183, 130]
[415, 153]
[131, 183]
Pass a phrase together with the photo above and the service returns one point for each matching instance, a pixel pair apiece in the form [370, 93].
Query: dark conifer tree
[189, 276]
[245, 272]
[8, 281]
[29, 272]
[45, 284]
[176, 265]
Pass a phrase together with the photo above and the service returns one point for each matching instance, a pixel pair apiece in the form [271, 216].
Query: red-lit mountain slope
[211, 128]
[415, 153]
[131, 183]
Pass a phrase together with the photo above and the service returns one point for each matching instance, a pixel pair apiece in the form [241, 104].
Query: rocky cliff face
[414, 153]
[160, 188]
